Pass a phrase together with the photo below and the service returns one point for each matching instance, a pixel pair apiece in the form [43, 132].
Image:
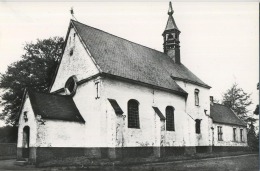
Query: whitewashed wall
[93, 112]
[57, 133]
[149, 133]
[198, 112]
[49, 133]
[227, 135]
[79, 64]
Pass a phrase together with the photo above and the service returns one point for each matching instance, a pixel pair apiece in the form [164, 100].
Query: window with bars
[133, 114]
[220, 133]
[234, 134]
[197, 125]
[196, 93]
[241, 135]
[170, 118]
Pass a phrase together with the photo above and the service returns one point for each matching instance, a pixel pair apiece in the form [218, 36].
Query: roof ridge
[120, 37]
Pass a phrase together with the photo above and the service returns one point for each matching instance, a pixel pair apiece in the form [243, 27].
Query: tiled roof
[223, 114]
[123, 58]
[53, 106]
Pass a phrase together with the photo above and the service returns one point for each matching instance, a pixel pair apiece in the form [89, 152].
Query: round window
[71, 85]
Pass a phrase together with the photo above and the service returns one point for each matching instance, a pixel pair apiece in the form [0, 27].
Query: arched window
[133, 114]
[170, 118]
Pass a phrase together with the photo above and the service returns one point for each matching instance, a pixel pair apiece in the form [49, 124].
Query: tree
[34, 71]
[238, 101]
[8, 134]
[252, 138]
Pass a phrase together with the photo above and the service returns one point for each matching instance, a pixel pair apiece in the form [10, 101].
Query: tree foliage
[8, 134]
[237, 100]
[34, 71]
[252, 137]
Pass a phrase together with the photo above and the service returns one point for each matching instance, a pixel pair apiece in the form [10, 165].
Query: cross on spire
[72, 13]
[170, 11]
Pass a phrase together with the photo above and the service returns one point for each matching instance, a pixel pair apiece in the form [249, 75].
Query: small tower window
[133, 114]
[170, 36]
[170, 118]
[197, 125]
[196, 97]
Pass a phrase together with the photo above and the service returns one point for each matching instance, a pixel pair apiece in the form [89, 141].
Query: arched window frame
[169, 113]
[133, 114]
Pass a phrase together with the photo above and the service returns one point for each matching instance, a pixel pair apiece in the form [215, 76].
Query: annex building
[113, 98]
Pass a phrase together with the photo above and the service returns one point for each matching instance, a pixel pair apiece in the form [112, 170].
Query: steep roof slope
[53, 106]
[120, 57]
[223, 114]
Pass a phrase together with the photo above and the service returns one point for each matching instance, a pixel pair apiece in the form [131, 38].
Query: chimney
[211, 100]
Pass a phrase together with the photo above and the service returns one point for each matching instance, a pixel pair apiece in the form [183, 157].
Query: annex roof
[123, 58]
[223, 114]
[53, 106]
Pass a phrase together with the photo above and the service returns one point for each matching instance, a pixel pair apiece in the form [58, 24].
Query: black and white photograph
[129, 85]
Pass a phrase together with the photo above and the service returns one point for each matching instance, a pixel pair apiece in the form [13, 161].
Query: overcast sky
[219, 41]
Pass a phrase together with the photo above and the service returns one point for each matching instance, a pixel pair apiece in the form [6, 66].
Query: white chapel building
[113, 98]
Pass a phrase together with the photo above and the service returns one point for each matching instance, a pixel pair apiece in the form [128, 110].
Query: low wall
[8, 150]
[229, 148]
[45, 154]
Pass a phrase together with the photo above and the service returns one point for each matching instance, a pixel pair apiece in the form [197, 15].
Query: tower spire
[171, 34]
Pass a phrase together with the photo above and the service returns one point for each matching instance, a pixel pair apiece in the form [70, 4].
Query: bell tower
[171, 43]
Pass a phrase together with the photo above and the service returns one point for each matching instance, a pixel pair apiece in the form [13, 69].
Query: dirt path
[229, 163]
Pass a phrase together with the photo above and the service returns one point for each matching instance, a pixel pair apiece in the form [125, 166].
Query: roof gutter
[229, 123]
[183, 94]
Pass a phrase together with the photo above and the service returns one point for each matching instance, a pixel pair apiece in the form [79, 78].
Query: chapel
[113, 98]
